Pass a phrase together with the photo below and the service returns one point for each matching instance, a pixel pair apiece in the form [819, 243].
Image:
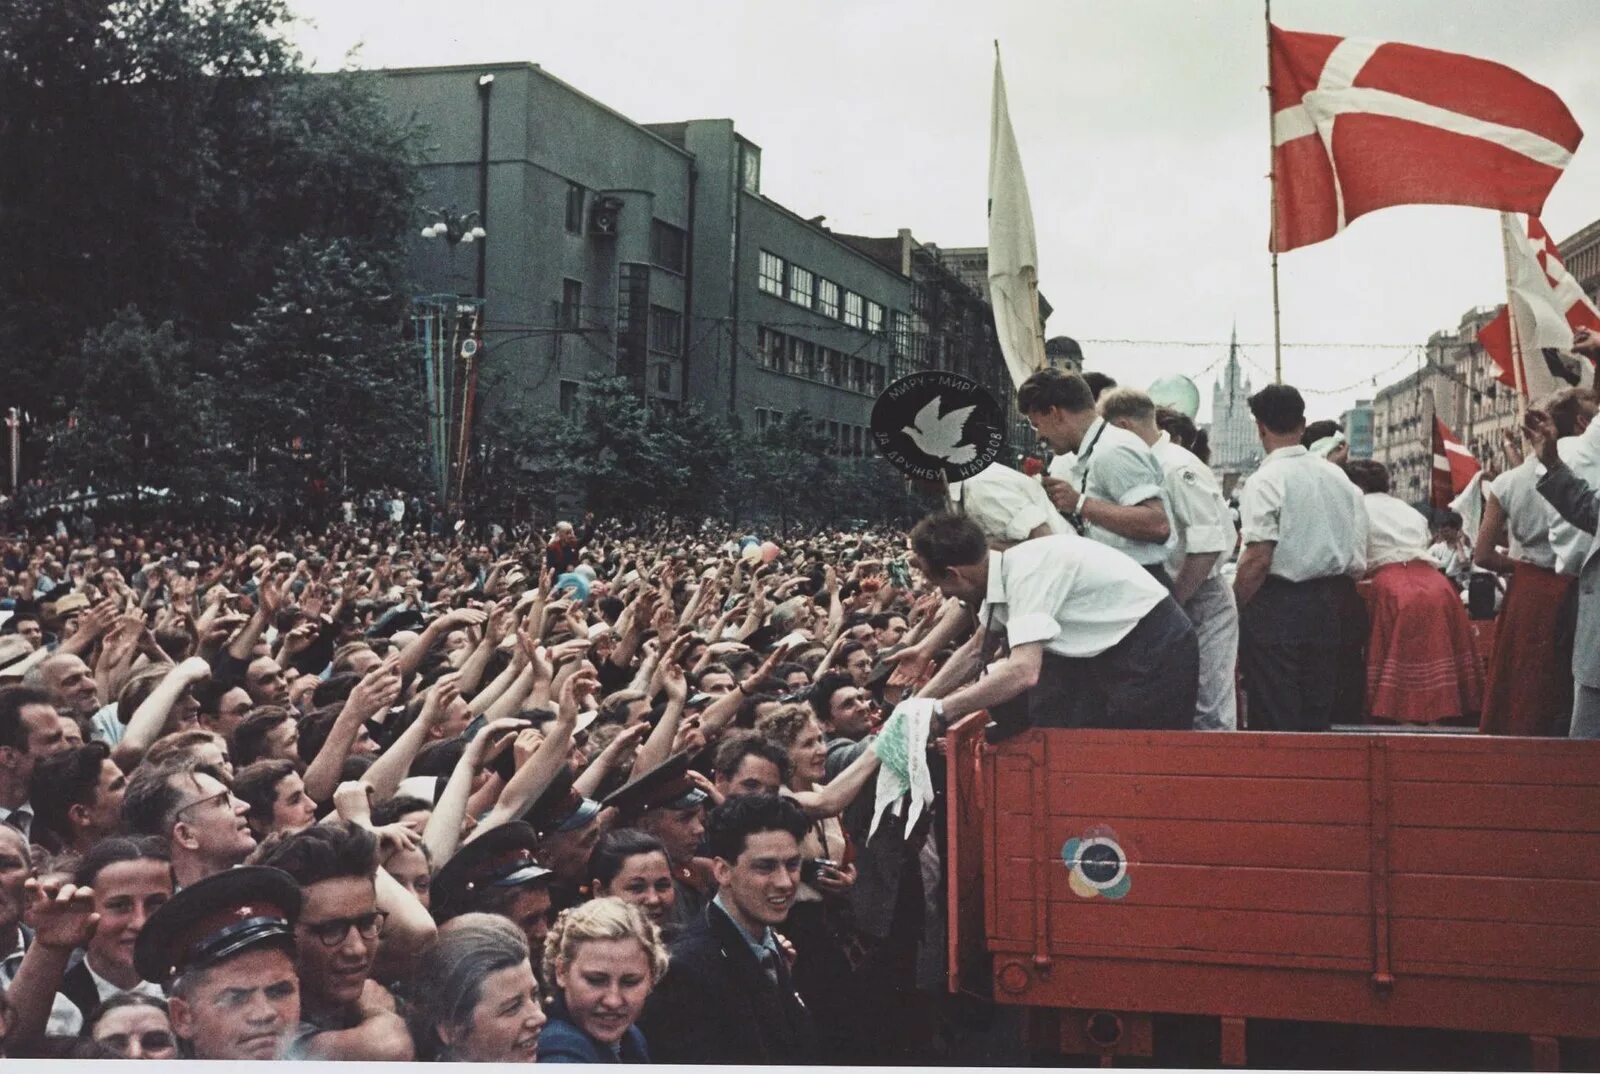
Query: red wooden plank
[1269, 935]
[1540, 762]
[1496, 948]
[1494, 898]
[1192, 987]
[1013, 920]
[1211, 798]
[1213, 755]
[1524, 808]
[1552, 855]
[1205, 887]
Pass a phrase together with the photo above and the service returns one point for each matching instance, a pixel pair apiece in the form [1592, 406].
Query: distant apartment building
[1357, 425]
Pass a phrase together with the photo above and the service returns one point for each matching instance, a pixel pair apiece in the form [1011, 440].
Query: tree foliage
[174, 157]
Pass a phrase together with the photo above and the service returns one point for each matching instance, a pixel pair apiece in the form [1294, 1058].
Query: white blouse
[1396, 531]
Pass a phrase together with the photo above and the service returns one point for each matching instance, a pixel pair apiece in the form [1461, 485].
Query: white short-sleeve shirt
[1007, 504]
[1396, 531]
[1077, 597]
[1582, 456]
[1310, 508]
[1115, 465]
[1529, 516]
[1201, 518]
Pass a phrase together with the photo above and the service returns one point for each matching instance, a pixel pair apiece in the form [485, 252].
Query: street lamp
[453, 227]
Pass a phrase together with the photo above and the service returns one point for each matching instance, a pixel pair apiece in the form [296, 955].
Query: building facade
[650, 252]
[1357, 425]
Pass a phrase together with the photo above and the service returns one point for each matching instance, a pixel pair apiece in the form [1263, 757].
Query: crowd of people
[385, 792]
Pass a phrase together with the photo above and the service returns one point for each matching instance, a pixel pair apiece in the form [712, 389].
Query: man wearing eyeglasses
[190, 806]
[344, 1014]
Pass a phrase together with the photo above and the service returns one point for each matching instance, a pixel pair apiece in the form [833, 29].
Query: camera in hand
[811, 868]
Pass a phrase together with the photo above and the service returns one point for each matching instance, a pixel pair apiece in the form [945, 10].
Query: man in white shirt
[1094, 640]
[1305, 536]
[1113, 490]
[1204, 542]
[1009, 506]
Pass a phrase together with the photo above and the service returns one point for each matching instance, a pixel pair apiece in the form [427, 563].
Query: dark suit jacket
[79, 987]
[715, 1005]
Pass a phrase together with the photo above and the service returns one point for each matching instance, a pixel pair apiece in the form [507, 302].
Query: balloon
[585, 570]
[769, 552]
[751, 553]
[577, 583]
[747, 540]
[1177, 392]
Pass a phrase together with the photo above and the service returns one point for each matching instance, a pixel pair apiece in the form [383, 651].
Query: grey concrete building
[1357, 425]
[649, 251]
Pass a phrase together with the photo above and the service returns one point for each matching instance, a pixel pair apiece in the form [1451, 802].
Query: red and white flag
[1362, 125]
[1453, 465]
[1546, 306]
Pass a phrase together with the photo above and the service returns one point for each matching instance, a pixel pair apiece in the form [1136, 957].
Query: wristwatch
[1076, 515]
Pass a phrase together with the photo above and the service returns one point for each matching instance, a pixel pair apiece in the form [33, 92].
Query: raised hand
[61, 915]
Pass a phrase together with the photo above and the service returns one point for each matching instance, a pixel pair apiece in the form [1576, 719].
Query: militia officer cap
[221, 916]
[561, 808]
[666, 786]
[500, 858]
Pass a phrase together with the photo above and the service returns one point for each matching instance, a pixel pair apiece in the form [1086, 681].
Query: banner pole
[1272, 177]
[1518, 373]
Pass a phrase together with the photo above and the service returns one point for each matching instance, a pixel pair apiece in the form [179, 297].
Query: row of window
[669, 245]
[803, 358]
[843, 438]
[797, 284]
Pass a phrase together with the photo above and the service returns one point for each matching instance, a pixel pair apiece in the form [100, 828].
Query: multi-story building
[1357, 425]
[649, 251]
[1235, 445]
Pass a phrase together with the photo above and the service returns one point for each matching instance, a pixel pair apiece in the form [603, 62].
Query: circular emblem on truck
[934, 422]
[1098, 866]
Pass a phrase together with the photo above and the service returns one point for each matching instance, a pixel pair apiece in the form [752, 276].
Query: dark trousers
[1293, 637]
[1159, 573]
[1147, 681]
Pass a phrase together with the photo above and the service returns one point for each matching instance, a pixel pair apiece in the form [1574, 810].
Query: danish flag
[1361, 125]
[1453, 465]
[1550, 306]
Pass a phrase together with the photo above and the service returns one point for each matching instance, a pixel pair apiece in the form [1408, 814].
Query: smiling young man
[727, 996]
[345, 1014]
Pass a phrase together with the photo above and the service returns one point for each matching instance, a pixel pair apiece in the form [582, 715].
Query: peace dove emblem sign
[933, 422]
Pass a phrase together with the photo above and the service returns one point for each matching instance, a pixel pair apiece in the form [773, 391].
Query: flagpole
[1272, 177]
[1519, 375]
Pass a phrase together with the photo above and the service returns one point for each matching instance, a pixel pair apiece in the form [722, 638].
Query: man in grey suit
[1576, 496]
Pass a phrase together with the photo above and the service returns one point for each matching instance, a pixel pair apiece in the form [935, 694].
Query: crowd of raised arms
[396, 790]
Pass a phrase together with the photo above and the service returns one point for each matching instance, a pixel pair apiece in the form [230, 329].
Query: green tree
[140, 419]
[318, 384]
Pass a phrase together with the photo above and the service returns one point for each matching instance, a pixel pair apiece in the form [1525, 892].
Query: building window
[569, 397]
[750, 168]
[902, 332]
[836, 369]
[877, 379]
[575, 208]
[761, 420]
[666, 245]
[770, 274]
[833, 436]
[919, 298]
[802, 353]
[633, 298]
[571, 303]
[874, 317]
[858, 374]
[801, 285]
[664, 377]
[666, 330]
[828, 298]
[769, 348]
[852, 309]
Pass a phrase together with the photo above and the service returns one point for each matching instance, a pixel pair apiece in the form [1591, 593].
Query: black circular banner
[932, 421]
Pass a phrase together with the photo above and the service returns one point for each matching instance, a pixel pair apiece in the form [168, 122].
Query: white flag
[1540, 318]
[1013, 257]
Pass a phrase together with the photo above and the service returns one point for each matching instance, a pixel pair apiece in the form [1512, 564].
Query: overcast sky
[1143, 129]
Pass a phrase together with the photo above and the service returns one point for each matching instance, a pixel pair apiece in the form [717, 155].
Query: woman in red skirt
[1529, 689]
[1422, 666]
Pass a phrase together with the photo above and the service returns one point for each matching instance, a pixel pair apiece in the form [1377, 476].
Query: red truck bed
[1445, 881]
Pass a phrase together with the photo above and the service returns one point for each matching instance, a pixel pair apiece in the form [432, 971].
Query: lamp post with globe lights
[450, 348]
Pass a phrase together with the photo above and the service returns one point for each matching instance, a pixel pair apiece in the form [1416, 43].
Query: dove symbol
[941, 437]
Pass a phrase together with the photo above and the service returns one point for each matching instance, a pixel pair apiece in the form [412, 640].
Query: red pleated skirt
[1529, 688]
[1422, 666]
